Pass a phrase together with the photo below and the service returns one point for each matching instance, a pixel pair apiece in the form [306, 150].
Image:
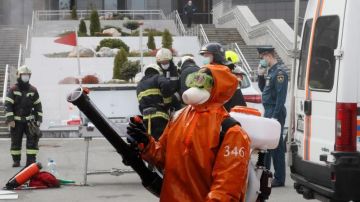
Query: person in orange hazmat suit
[198, 165]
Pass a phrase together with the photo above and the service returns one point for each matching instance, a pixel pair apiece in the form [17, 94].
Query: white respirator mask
[165, 66]
[25, 78]
[195, 96]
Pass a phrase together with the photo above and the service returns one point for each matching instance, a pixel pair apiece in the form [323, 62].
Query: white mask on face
[165, 66]
[195, 96]
[25, 78]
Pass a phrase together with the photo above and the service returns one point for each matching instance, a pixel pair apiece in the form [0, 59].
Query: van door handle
[307, 107]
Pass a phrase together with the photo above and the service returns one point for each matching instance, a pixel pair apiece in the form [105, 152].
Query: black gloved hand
[137, 131]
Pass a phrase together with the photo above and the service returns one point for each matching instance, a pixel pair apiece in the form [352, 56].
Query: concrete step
[4, 129]
[4, 134]
[2, 119]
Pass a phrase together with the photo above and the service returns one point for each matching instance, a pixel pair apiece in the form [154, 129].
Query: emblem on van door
[324, 149]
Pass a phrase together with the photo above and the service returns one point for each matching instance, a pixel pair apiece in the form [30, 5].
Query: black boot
[16, 164]
[30, 159]
[16, 159]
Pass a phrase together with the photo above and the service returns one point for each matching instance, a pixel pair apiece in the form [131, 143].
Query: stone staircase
[4, 130]
[10, 39]
[227, 36]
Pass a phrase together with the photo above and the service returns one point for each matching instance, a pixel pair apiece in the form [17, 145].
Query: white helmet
[152, 67]
[23, 70]
[163, 54]
[184, 59]
[238, 70]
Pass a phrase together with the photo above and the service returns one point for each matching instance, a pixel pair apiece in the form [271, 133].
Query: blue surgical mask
[264, 63]
[206, 60]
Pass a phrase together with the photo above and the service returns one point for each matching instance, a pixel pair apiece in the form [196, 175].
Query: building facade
[274, 9]
[19, 11]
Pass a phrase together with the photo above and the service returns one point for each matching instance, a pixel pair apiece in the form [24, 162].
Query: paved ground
[69, 156]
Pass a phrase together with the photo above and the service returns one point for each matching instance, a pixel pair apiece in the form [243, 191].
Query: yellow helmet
[231, 56]
[163, 54]
[23, 70]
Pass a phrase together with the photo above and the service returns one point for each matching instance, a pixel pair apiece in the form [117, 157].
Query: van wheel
[307, 193]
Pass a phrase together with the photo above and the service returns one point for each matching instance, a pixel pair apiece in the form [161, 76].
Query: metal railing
[21, 55]
[198, 31]
[253, 31]
[178, 22]
[29, 34]
[243, 60]
[203, 35]
[104, 14]
[6, 79]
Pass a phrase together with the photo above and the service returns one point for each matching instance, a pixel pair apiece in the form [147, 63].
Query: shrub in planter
[119, 60]
[135, 33]
[167, 39]
[113, 43]
[129, 70]
[151, 41]
[94, 22]
[90, 79]
[154, 32]
[82, 28]
[74, 13]
[100, 34]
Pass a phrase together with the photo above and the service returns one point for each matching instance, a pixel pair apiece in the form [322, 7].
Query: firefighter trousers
[32, 141]
[158, 125]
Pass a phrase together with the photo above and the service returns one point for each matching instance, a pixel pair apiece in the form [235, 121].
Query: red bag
[44, 180]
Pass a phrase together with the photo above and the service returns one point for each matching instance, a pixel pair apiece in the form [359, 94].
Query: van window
[322, 65]
[304, 55]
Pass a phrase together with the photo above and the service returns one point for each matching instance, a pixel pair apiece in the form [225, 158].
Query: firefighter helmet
[216, 50]
[232, 56]
[149, 69]
[23, 70]
[184, 59]
[163, 54]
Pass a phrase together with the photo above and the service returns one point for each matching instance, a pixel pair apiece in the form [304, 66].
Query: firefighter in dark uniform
[164, 60]
[187, 66]
[154, 94]
[22, 106]
[238, 98]
[273, 82]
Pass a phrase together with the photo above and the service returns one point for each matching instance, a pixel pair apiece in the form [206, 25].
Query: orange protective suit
[196, 167]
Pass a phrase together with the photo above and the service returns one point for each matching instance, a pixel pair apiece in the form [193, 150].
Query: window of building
[322, 65]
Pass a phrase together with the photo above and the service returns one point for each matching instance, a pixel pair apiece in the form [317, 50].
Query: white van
[325, 152]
